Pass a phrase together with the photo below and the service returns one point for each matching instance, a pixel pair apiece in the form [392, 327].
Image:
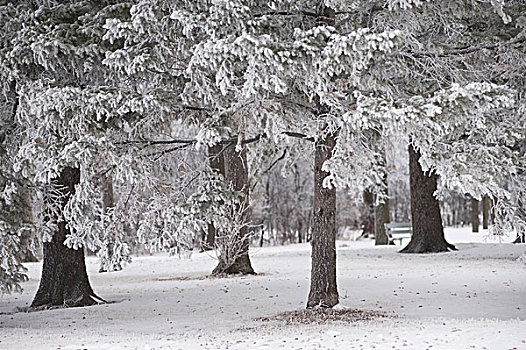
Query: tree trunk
[323, 289]
[108, 201]
[428, 232]
[64, 279]
[475, 222]
[381, 212]
[217, 164]
[485, 212]
[521, 237]
[236, 174]
[368, 214]
[493, 214]
[27, 238]
[381, 217]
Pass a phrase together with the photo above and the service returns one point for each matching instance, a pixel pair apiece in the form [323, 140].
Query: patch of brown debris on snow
[323, 315]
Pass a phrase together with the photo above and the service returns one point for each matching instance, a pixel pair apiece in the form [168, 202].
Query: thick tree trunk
[475, 222]
[485, 212]
[64, 279]
[217, 164]
[236, 174]
[323, 289]
[368, 214]
[428, 232]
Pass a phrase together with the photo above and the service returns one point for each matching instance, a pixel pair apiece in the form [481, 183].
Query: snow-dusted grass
[471, 299]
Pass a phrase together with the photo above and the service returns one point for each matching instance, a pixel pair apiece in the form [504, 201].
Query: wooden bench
[398, 231]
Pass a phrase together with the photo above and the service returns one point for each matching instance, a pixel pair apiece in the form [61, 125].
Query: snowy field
[471, 299]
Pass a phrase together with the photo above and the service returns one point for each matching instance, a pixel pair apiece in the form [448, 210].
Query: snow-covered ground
[471, 299]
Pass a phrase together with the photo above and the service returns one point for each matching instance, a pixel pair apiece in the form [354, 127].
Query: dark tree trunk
[236, 174]
[428, 232]
[493, 213]
[485, 212]
[64, 279]
[262, 237]
[475, 222]
[521, 237]
[323, 289]
[368, 214]
[217, 164]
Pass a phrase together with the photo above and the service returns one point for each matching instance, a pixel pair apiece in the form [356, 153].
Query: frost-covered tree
[16, 225]
[52, 50]
[118, 84]
[445, 51]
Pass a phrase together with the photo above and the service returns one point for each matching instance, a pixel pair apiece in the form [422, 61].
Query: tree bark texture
[475, 221]
[64, 280]
[485, 212]
[236, 174]
[323, 289]
[428, 232]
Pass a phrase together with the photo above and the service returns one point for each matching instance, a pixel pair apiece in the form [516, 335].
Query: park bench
[398, 231]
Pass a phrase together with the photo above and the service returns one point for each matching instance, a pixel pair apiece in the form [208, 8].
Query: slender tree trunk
[381, 212]
[485, 212]
[428, 232]
[108, 201]
[262, 237]
[27, 238]
[368, 214]
[323, 289]
[236, 174]
[64, 279]
[467, 211]
[521, 236]
[493, 214]
[217, 164]
[475, 222]
[381, 217]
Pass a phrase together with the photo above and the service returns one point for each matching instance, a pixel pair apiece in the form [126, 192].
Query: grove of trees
[171, 121]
